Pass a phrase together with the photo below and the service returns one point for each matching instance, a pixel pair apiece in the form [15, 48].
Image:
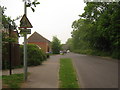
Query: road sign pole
[25, 57]
[25, 8]
[25, 49]
[24, 24]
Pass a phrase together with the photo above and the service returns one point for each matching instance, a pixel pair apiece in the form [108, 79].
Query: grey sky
[51, 17]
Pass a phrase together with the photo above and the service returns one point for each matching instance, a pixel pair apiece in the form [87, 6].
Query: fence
[10, 51]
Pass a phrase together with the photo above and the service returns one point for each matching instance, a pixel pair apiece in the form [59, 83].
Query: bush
[48, 55]
[116, 54]
[5, 56]
[5, 64]
[34, 54]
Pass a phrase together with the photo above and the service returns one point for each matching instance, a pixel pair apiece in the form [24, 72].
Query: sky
[51, 17]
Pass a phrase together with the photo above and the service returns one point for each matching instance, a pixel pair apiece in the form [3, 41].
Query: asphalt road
[94, 71]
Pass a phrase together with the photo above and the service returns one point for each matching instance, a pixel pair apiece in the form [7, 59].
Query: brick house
[40, 41]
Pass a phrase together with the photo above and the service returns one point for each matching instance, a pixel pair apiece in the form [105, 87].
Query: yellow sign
[25, 23]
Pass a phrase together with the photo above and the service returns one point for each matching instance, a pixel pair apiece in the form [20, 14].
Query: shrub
[116, 54]
[48, 55]
[5, 64]
[5, 56]
[35, 56]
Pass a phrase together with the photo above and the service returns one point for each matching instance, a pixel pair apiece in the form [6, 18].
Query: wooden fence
[14, 54]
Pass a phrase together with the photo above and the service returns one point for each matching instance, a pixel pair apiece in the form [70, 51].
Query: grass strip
[67, 74]
[14, 80]
[0, 77]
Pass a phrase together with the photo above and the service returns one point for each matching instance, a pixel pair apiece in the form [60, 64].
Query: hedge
[34, 54]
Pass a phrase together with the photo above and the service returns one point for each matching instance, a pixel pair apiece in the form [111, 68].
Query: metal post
[25, 57]
[25, 9]
[10, 53]
[25, 50]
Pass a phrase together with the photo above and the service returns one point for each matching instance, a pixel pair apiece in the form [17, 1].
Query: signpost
[28, 31]
[24, 24]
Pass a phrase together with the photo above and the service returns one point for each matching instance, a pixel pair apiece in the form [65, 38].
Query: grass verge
[0, 77]
[13, 81]
[67, 74]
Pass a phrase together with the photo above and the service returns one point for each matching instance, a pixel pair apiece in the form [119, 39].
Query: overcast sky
[51, 17]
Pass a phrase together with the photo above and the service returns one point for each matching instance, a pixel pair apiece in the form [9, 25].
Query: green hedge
[115, 54]
[34, 54]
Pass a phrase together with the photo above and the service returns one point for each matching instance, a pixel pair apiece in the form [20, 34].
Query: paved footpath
[42, 76]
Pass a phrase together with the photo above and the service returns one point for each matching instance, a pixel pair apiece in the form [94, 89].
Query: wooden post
[10, 51]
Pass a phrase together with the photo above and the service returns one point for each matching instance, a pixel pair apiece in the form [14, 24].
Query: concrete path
[43, 76]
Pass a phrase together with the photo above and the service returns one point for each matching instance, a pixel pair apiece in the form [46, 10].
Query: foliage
[13, 81]
[31, 4]
[34, 54]
[9, 25]
[56, 45]
[47, 55]
[67, 74]
[5, 55]
[97, 30]
[7, 21]
[70, 44]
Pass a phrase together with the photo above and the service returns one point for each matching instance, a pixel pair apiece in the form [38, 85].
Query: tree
[31, 4]
[69, 44]
[56, 45]
[98, 29]
[8, 24]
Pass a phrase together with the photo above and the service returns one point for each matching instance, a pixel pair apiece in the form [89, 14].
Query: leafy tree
[8, 24]
[56, 45]
[69, 44]
[98, 29]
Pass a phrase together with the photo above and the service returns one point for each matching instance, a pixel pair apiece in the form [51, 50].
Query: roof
[36, 37]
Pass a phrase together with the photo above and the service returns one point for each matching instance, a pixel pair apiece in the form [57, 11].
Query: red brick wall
[42, 45]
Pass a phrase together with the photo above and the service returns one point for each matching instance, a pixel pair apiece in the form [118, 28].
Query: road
[94, 71]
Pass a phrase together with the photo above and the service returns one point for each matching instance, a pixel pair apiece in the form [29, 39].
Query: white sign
[27, 31]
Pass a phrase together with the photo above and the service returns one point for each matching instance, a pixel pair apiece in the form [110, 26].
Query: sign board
[25, 23]
[27, 31]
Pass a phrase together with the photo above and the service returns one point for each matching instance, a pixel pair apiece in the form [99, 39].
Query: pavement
[42, 76]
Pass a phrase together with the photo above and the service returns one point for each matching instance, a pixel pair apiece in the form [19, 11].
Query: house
[40, 41]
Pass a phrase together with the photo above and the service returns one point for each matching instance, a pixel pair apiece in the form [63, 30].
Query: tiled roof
[36, 37]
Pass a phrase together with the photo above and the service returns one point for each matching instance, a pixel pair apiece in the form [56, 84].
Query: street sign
[25, 23]
[27, 31]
